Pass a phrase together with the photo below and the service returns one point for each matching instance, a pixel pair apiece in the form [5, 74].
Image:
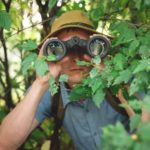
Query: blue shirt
[83, 120]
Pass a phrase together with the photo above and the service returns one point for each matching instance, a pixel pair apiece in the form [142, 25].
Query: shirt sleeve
[43, 109]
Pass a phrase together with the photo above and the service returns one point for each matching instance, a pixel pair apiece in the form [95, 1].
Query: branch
[1, 81]
[2, 97]
[29, 27]
[122, 99]
[6, 68]
[7, 4]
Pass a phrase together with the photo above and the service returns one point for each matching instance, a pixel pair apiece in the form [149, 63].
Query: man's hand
[54, 71]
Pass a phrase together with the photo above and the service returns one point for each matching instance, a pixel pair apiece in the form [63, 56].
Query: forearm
[17, 125]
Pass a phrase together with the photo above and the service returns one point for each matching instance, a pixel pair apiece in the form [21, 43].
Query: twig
[29, 27]
[1, 81]
[122, 99]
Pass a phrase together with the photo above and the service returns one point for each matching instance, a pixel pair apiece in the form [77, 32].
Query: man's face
[68, 63]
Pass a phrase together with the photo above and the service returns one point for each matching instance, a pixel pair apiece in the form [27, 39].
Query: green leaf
[124, 76]
[133, 46]
[134, 121]
[116, 137]
[96, 60]
[94, 72]
[51, 4]
[143, 65]
[137, 3]
[97, 13]
[3, 112]
[134, 87]
[28, 61]
[53, 86]
[98, 97]
[41, 66]
[119, 61]
[5, 20]
[147, 3]
[125, 33]
[95, 84]
[37, 134]
[80, 92]
[144, 50]
[83, 63]
[51, 57]
[29, 45]
[135, 104]
[63, 78]
[144, 132]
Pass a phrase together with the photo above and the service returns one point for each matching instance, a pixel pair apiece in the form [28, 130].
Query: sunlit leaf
[96, 60]
[41, 67]
[83, 63]
[51, 57]
[94, 72]
[63, 78]
[119, 61]
[124, 76]
[95, 84]
[29, 45]
[124, 31]
[28, 61]
[98, 97]
[143, 65]
[116, 137]
[53, 86]
[134, 87]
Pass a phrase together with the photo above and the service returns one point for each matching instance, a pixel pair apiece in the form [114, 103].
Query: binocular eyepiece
[94, 46]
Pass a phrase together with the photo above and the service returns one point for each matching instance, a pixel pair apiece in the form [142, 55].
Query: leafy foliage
[28, 46]
[28, 61]
[128, 63]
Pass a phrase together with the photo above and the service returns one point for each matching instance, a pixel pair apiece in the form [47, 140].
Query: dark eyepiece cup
[54, 47]
[98, 45]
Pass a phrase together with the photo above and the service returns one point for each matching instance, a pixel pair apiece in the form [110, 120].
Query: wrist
[40, 86]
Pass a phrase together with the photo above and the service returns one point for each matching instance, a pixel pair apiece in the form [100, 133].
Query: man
[83, 120]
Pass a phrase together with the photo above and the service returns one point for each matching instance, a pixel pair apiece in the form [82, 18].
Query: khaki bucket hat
[71, 19]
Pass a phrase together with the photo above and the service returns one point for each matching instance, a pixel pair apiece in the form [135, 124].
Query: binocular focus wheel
[103, 47]
[58, 43]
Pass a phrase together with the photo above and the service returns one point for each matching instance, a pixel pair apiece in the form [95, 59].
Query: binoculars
[94, 46]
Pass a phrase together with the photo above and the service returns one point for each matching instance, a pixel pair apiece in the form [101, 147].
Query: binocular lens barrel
[55, 47]
[96, 45]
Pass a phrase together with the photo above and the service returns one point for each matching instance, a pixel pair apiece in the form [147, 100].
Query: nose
[76, 54]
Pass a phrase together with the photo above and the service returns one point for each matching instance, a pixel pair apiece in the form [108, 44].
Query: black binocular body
[94, 46]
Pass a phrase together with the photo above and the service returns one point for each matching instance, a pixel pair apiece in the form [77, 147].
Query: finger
[55, 69]
[86, 57]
